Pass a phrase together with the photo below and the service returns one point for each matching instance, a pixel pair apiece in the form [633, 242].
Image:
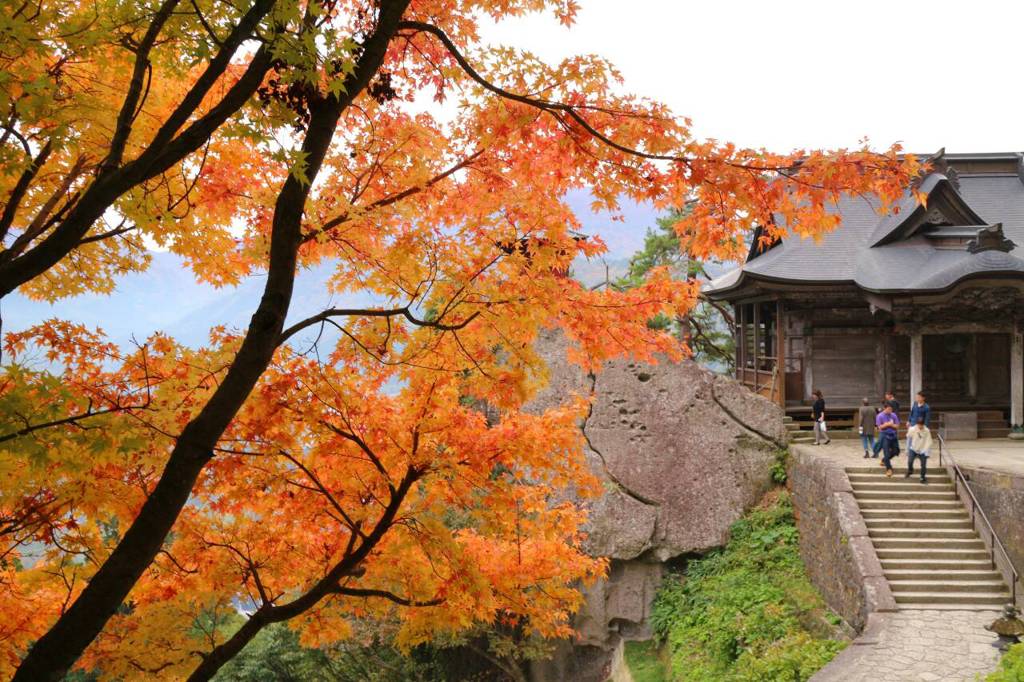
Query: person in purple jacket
[888, 435]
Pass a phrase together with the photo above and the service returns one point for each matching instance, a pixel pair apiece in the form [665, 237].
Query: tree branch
[384, 594]
[372, 312]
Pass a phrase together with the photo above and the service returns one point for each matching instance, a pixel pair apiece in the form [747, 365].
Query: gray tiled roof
[847, 255]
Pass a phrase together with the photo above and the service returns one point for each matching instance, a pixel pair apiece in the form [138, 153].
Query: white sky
[782, 75]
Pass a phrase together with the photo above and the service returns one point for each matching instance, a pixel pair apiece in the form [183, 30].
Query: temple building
[930, 297]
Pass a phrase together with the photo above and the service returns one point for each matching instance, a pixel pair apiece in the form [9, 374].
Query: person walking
[890, 399]
[818, 414]
[866, 428]
[919, 409]
[920, 442]
[888, 436]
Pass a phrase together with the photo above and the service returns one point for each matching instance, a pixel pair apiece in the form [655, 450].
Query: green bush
[779, 466]
[748, 611]
[1011, 667]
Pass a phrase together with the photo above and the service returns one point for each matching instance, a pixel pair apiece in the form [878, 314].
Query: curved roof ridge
[941, 196]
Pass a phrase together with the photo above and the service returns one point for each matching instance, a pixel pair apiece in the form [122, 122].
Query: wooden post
[808, 362]
[916, 364]
[780, 352]
[1017, 376]
[757, 336]
[881, 360]
[972, 367]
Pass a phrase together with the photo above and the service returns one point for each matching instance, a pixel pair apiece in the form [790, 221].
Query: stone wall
[834, 544]
[1001, 495]
[683, 453]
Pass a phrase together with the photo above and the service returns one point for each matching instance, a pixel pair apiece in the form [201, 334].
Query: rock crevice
[683, 454]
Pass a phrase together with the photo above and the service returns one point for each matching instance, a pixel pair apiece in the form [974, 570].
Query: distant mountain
[625, 237]
[596, 271]
[167, 298]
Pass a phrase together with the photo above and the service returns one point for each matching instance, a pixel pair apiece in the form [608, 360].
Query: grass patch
[747, 612]
[644, 662]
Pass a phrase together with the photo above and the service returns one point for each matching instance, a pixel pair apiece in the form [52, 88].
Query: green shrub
[1011, 667]
[747, 611]
[779, 466]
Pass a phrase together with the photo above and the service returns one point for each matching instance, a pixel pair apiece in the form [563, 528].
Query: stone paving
[995, 454]
[918, 646]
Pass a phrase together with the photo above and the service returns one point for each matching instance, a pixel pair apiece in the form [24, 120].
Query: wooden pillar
[916, 364]
[808, 362]
[881, 358]
[1017, 376]
[739, 336]
[887, 379]
[757, 346]
[780, 352]
[972, 367]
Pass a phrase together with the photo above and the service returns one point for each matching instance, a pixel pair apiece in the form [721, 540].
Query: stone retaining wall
[1001, 495]
[834, 543]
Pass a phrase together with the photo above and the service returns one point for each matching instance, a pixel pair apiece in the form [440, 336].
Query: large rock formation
[683, 453]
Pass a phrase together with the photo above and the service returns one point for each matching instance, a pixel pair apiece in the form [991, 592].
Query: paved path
[1006, 456]
[918, 646]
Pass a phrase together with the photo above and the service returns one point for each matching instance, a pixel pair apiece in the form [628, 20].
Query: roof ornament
[990, 238]
[937, 163]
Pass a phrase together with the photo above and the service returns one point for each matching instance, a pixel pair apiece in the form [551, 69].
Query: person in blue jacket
[919, 410]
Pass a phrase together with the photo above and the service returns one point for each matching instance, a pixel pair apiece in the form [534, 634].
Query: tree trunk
[57, 650]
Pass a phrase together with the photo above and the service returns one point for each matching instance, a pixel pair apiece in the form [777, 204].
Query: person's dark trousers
[889, 450]
[887, 453]
[879, 444]
[924, 463]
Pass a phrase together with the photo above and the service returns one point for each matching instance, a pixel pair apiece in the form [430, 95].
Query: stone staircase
[931, 555]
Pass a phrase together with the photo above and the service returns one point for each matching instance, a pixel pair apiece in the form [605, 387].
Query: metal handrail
[958, 474]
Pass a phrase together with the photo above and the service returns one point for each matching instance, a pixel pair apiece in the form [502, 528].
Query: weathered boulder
[683, 454]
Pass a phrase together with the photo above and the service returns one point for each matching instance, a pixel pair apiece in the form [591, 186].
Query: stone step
[963, 587]
[883, 482]
[928, 543]
[929, 524]
[953, 512]
[940, 565]
[898, 506]
[876, 469]
[931, 553]
[902, 485]
[917, 598]
[953, 606]
[787, 419]
[938, 575]
[921, 533]
[922, 493]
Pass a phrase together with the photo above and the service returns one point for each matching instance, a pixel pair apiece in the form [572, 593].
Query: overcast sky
[783, 75]
[775, 74]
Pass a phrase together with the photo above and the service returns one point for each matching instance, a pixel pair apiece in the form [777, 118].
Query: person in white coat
[920, 442]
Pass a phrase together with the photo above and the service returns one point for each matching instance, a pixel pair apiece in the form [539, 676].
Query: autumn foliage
[339, 467]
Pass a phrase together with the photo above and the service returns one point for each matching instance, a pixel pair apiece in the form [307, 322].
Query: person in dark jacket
[890, 400]
[866, 426]
[818, 413]
[919, 410]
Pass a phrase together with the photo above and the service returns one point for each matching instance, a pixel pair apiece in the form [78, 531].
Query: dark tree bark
[56, 651]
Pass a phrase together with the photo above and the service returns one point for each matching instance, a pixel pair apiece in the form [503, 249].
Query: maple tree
[338, 467]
